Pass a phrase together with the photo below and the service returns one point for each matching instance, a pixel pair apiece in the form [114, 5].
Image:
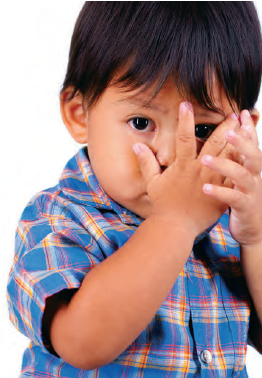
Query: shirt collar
[79, 183]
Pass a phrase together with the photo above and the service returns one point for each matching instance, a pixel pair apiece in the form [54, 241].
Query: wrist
[172, 226]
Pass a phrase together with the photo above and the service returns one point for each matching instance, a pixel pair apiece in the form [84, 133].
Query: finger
[247, 129]
[185, 137]
[216, 142]
[248, 125]
[234, 198]
[228, 183]
[230, 151]
[252, 154]
[148, 164]
[239, 175]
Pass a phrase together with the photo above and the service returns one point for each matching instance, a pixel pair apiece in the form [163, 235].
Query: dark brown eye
[142, 124]
[203, 131]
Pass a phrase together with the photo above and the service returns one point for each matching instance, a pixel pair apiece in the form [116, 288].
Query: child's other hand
[176, 194]
[245, 195]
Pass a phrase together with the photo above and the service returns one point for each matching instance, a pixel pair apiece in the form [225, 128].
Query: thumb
[148, 164]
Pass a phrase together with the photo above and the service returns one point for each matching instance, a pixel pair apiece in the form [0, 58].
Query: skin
[115, 162]
[181, 185]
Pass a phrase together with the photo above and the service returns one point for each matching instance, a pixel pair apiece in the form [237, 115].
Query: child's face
[117, 121]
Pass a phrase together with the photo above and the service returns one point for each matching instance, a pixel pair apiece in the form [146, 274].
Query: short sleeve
[53, 252]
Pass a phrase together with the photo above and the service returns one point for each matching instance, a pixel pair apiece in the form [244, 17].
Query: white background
[34, 144]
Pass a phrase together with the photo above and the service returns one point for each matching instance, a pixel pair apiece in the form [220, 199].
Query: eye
[142, 124]
[204, 131]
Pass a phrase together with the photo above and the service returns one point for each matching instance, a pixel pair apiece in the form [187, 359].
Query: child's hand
[245, 197]
[176, 194]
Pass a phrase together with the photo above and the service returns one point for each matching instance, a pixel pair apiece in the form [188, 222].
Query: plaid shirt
[199, 331]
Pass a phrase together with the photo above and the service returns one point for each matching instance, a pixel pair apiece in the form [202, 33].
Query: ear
[255, 116]
[74, 115]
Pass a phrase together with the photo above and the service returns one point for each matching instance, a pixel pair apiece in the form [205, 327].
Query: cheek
[125, 162]
[115, 149]
[126, 179]
[114, 161]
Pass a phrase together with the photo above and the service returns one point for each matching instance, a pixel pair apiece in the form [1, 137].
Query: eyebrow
[212, 113]
[212, 116]
[143, 104]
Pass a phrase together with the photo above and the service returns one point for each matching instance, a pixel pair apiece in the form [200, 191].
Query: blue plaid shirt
[200, 329]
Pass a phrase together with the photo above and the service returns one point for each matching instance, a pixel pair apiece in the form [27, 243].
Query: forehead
[168, 96]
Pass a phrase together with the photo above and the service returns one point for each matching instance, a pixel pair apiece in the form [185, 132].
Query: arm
[120, 296]
[251, 259]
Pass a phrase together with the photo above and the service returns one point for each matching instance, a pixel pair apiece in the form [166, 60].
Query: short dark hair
[142, 43]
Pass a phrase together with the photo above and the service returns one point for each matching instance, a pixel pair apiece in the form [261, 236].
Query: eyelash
[148, 123]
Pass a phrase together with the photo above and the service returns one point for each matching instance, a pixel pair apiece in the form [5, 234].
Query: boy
[145, 260]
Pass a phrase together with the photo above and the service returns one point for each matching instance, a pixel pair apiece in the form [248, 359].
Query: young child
[146, 259]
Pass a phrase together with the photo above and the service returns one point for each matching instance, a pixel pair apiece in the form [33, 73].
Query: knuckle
[238, 197]
[146, 162]
[181, 160]
[143, 159]
[187, 139]
[244, 174]
[217, 140]
[229, 152]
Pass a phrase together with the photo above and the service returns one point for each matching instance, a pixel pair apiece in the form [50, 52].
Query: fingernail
[206, 159]
[246, 113]
[185, 106]
[207, 188]
[137, 148]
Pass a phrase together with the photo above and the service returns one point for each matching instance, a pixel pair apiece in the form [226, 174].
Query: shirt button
[206, 356]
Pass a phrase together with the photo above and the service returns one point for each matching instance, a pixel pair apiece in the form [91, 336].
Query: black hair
[137, 44]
